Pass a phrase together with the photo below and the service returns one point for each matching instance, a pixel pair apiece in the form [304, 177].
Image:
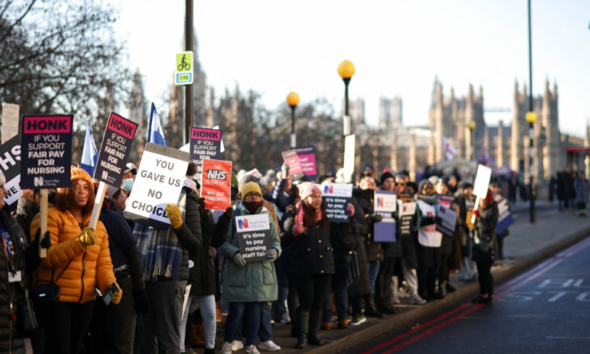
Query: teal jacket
[257, 281]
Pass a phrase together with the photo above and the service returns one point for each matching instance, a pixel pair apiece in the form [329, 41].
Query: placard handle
[475, 208]
[102, 188]
[43, 224]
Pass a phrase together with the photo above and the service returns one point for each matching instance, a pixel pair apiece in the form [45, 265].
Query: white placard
[337, 190]
[385, 201]
[349, 152]
[482, 181]
[9, 121]
[409, 208]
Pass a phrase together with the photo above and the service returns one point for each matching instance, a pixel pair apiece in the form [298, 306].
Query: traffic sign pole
[188, 93]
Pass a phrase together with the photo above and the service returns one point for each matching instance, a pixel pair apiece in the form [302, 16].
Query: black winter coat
[10, 339]
[25, 213]
[203, 274]
[361, 284]
[189, 234]
[311, 251]
[485, 226]
[344, 236]
[364, 199]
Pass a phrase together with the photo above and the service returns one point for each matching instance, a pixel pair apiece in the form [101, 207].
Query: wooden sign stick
[102, 188]
[475, 208]
[43, 225]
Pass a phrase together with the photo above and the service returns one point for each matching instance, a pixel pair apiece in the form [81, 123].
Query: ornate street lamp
[293, 101]
[346, 71]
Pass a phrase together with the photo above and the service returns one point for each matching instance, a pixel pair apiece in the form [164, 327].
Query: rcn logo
[38, 181]
[380, 202]
[329, 189]
[243, 224]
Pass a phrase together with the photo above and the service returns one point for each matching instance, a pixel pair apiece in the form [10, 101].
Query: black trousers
[486, 280]
[293, 299]
[427, 282]
[443, 274]
[383, 283]
[311, 289]
[66, 325]
[113, 327]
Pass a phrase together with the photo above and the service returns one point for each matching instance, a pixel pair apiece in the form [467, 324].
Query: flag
[155, 132]
[89, 153]
[486, 153]
[450, 151]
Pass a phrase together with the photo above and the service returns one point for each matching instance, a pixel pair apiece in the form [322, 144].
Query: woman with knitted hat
[311, 260]
[78, 261]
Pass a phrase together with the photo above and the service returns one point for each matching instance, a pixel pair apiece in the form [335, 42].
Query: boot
[218, 313]
[314, 326]
[384, 306]
[210, 351]
[370, 309]
[197, 335]
[303, 321]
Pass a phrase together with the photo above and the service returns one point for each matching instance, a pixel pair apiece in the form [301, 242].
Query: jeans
[373, 271]
[338, 287]
[161, 325]
[237, 310]
[66, 325]
[279, 306]
[467, 268]
[265, 330]
[207, 306]
[486, 280]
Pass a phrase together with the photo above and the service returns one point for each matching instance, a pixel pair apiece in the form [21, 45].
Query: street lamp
[531, 117]
[293, 101]
[346, 71]
[470, 125]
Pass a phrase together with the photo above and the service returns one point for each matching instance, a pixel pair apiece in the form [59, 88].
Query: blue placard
[504, 223]
[385, 230]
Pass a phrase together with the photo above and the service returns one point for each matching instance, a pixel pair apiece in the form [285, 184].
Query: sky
[398, 48]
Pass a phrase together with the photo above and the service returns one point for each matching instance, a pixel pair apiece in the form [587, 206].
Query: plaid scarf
[160, 251]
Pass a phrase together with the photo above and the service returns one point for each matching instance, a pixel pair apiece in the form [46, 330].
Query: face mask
[252, 206]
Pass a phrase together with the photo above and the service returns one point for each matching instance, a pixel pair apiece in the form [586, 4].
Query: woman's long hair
[309, 216]
[64, 199]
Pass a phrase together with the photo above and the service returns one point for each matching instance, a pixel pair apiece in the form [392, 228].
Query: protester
[484, 247]
[311, 260]
[446, 248]
[582, 187]
[247, 285]
[165, 259]
[429, 242]
[78, 261]
[494, 187]
[465, 201]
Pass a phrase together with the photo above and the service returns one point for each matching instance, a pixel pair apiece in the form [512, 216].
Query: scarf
[159, 250]
[252, 206]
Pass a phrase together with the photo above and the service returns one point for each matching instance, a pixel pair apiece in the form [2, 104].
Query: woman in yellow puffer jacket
[81, 256]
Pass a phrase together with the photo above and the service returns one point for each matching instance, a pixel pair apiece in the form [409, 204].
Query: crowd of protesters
[315, 268]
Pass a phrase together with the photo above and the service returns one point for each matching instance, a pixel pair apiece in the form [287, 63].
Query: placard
[306, 155]
[253, 232]
[385, 203]
[482, 181]
[336, 197]
[446, 220]
[158, 183]
[349, 153]
[445, 200]
[216, 184]
[205, 144]
[10, 166]
[407, 214]
[505, 218]
[46, 144]
[114, 150]
[292, 159]
[9, 121]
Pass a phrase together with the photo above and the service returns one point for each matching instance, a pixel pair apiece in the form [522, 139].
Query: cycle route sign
[184, 68]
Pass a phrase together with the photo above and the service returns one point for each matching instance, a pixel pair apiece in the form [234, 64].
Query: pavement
[526, 245]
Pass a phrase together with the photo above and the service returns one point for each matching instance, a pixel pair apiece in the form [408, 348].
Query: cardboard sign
[9, 121]
[216, 184]
[446, 220]
[115, 150]
[205, 144]
[336, 198]
[158, 183]
[306, 156]
[253, 232]
[10, 166]
[482, 181]
[46, 158]
[445, 200]
[349, 153]
[292, 159]
[407, 214]
[505, 218]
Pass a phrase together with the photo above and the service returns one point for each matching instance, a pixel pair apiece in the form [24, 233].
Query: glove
[350, 209]
[116, 296]
[175, 215]
[88, 237]
[239, 260]
[201, 205]
[271, 254]
[37, 243]
[476, 213]
[376, 217]
[285, 170]
[228, 213]
[298, 229]
[142, 304]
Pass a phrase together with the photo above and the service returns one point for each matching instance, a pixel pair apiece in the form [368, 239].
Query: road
[543, 310]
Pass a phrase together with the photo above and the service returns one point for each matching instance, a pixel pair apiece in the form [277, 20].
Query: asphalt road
[543, 310]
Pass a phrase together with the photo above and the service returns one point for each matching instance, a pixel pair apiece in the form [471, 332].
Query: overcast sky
[398, 47]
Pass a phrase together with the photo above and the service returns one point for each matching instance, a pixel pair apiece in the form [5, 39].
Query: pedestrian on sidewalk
[582, 188]
[447, 246]
[484, 247]
[499, 237]
[247, 285]
[466, 202]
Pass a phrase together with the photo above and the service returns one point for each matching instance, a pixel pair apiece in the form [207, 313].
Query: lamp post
[531, 117]
[346, 71]
[470, 126]
[293, 101]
